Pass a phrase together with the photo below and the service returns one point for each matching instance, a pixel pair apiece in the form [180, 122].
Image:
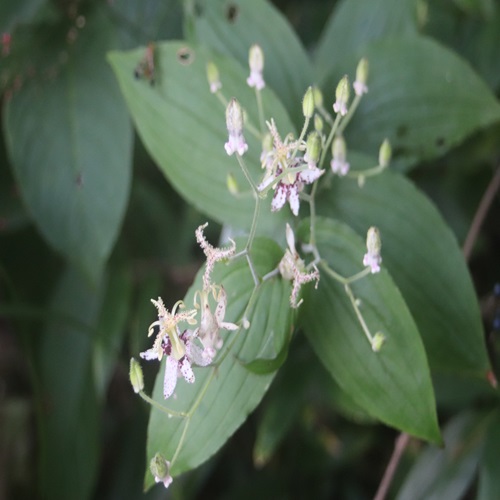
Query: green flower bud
[256, 58]
[342, 94]
[373, 242]
[135, 375]
[232, 184]
[318, 97]
[213, 77]
[308, 103]
[313, 146]
[318, 123]
[377, 341]
[160, 468]
[385, 152]
[359, 85]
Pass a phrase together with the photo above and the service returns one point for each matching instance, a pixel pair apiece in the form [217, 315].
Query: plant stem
[401, 444]
[482, 211]
[158, 406]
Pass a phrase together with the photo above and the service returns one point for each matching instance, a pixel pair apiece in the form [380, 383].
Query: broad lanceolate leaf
[233, 27]
[183, 126]
[356, 23]
[228, 392]
[424, 260]
[422, 97]
[442, 473]
[69, 430]
[69, 141]
[392, 385]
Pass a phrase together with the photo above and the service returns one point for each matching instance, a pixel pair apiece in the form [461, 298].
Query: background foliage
[103, 179]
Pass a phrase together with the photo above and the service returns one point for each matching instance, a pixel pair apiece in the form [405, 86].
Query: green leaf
[69, 141]
[69, 425]
[265, 366]
[228, 392]
[354, 24]
[232, 28]
[392, 385]
[183, 127]
[112, 323]
[422, 97]
[447, 473]
[424, 259]
[489, 480]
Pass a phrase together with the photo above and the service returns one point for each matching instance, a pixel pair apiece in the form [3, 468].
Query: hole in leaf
[232, 12]
[440, 142]
[185, 55]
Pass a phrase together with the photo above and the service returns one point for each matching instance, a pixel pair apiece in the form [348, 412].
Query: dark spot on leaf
[402, 131]
[185, 55]
[79, 180]
[232, 11]
[440, 142]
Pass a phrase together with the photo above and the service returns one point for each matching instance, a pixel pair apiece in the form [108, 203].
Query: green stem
[369, 172]
[350, 113]
[158, 406]
[342, 279]
[358, 313]
[181, 441]
[328, 142]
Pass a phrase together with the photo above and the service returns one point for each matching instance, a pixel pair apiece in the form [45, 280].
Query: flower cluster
[286, 172]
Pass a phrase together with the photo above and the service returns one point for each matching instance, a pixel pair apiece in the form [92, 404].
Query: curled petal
[149, 354]
[170, 380]
[186, 370]
[293, 200]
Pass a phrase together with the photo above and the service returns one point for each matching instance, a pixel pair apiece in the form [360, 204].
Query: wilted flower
[212, 322]
[292, 267]
[212, 254]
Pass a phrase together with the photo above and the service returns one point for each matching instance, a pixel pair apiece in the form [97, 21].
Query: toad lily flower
[179, 348]
[211, 323]
[281, 160]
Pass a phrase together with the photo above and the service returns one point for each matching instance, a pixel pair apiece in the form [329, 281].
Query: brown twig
[481, 213]
[400, 446]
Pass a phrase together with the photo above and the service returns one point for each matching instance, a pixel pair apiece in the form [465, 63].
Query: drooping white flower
[256, 63]
[234, 122]
[372, 257]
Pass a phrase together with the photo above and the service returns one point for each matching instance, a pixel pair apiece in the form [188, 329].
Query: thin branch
[482, 211]
[400, 446]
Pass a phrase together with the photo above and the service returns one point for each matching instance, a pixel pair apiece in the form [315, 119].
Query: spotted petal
[170, 380]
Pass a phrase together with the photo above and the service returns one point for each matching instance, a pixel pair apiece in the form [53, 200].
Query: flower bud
[313, 147]
[359, 85]
[256, 58]
[308, 103]
[377, 341]
[318, 123]
[339, 164]
[135, 375]
[318, 97]
[256, 63]
[213, 77]
[234, 122]
[373, 242]
[385, 153]
[232, 184]
[160, 468]
[372, 258]
[342, 94]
